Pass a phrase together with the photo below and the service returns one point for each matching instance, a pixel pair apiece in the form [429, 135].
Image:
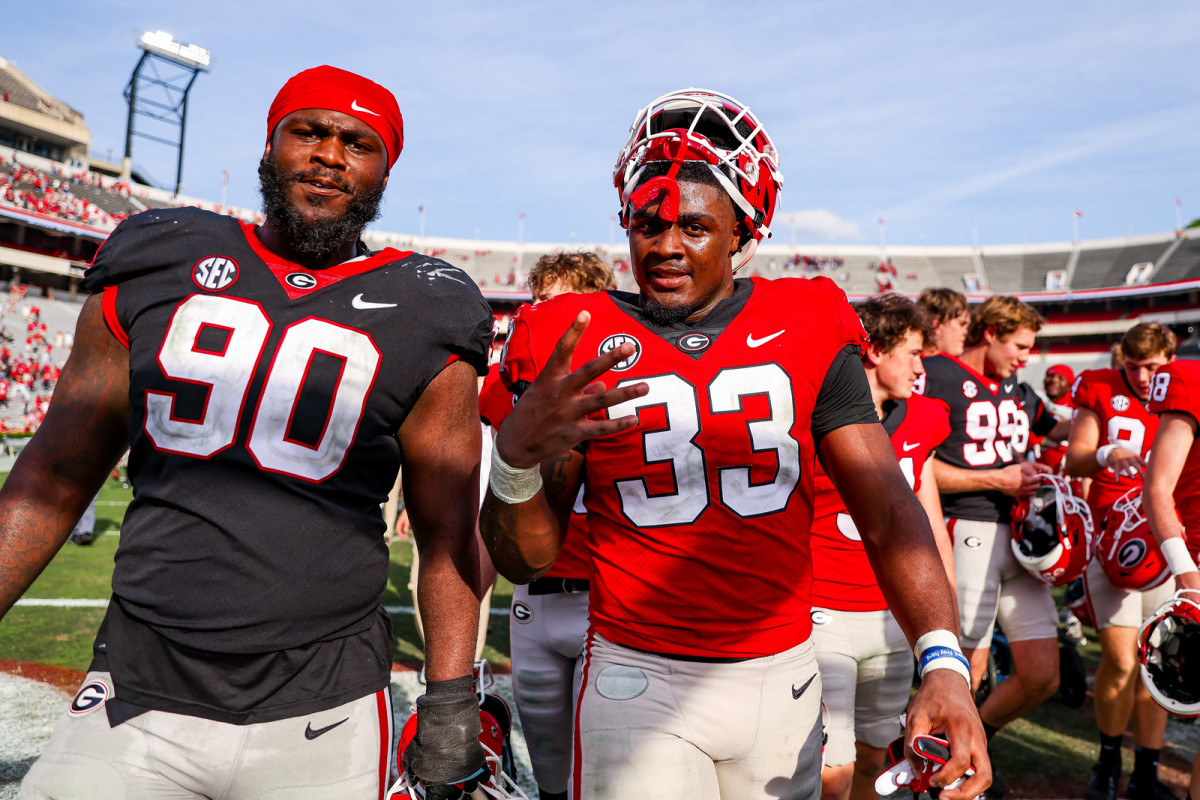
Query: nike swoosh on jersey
[361, 304]
[354, 106]
[912, 446]
[752, 342]
[797, 692]
[311, 733]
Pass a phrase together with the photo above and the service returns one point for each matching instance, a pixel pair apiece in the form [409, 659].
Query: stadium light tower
[172, 68]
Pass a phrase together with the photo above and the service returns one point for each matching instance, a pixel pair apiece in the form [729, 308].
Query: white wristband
[937, 638]
[513, 485]
[1103, 454]
[1178, 558]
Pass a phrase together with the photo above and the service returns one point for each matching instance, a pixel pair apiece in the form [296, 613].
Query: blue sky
[930, 115]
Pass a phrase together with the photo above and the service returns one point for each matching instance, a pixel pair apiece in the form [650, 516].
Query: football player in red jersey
[268, 381]
[1172, 500]
[701, 404]
[548, 619]
[978, 474]
[1110, 441]
[865, 661]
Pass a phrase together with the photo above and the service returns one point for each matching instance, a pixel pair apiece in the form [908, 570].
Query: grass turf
[63, 636]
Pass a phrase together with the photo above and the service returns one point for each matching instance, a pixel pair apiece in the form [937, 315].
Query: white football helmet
[1169, 653]
[711, 128]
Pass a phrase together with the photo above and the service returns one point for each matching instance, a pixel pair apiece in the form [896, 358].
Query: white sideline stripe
[64, 603]
[61, 603]
[495, 612]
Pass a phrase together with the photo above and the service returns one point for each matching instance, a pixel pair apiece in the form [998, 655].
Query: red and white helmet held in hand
[1169, 654]
[709, 128]
[1128, 551]
[495, 720]
[1052, 532]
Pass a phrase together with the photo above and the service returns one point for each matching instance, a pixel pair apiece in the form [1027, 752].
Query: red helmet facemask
[712, 129]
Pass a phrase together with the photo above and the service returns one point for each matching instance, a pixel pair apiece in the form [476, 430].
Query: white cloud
[819, 222]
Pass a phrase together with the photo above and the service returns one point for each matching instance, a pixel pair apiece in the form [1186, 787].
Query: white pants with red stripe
[651, 726]
[339, 753]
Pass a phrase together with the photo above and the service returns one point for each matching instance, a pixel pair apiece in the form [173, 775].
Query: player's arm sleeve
[1043, 420]
[845, 396]
[1082, 393]
[1169, 391]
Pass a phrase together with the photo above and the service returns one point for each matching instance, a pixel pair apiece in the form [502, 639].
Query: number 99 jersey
[988, 429]
[700, 515]
[264, 404]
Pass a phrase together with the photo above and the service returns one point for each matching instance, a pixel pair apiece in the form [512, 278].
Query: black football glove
[446, 749]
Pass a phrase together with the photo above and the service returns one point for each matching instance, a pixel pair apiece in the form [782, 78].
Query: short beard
[666, 315]
[318, 241]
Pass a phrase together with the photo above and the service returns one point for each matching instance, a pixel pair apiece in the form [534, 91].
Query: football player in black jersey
[979, 472]
[268, 382]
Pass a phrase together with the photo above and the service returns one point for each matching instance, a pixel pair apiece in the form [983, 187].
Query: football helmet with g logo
[1053, 532]
[1127, 550]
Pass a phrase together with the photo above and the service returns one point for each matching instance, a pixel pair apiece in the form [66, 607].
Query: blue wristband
[934, 653]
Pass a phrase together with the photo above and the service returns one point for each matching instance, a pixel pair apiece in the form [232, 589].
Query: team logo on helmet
[616, 340]
[215, 273]
[1120, 403]
[89, 697]
[693, 342]
[300, 280]
[970, 389]
[1131, 553]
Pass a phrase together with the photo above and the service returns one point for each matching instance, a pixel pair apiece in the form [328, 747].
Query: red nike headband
[339, 90]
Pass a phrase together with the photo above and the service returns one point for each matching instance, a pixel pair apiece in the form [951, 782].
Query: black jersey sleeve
[845, 396]
[149, 241]
[461, 318]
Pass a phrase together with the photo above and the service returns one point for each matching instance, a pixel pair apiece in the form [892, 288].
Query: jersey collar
[298, 281]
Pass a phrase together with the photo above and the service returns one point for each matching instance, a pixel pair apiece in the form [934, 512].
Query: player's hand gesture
[552, 415]
[1126, 464]
[943, 707]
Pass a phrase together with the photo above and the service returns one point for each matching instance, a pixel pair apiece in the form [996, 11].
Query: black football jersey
[265, 399]
[986, 426]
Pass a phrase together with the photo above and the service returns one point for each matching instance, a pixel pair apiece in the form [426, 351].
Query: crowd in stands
[50, 194]
[27, 374]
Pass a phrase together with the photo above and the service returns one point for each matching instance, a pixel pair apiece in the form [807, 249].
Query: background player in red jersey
[978, 475]
[950, 319]
[703, 415]
[1110, 441]
[1172, 501]
[865, 661]
[548, 620]
[268, 381]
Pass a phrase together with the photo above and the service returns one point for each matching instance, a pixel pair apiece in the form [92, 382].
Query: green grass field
[1047, 754]
[63, 636]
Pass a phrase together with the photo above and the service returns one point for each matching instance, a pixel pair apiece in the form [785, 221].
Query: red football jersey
[1176, 387]
[700, 515]
[843, 579]
[1124, 421]
[495, 404]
